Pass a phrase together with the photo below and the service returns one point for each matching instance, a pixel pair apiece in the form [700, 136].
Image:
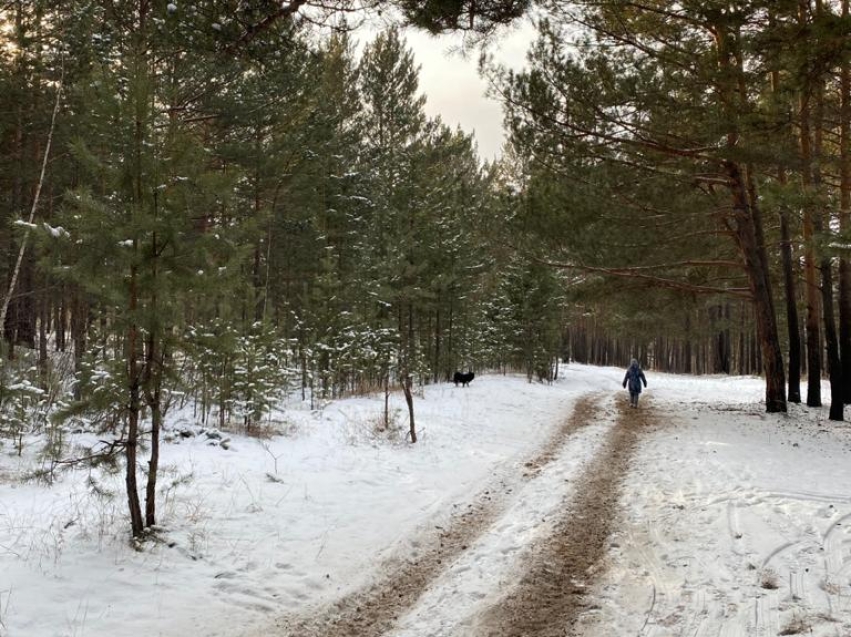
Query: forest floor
[524, 510]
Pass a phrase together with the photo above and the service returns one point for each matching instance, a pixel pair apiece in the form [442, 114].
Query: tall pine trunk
[134, 379]
[822, 226]
[153, 396]
[845, 219]
[791, 297]
[134, 409]
[792, 321]
[746, 220]
[154, 359]
[811, 290]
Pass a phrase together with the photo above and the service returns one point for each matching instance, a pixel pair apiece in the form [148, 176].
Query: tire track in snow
[836, 565]
[476, 579]
[551, 594]
[372, 611]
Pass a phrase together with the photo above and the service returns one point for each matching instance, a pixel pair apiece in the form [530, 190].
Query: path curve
[372, 611]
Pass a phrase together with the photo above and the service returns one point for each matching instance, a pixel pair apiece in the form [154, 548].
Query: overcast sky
[454, 89]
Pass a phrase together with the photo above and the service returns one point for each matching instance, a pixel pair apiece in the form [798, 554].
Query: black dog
[464, 379]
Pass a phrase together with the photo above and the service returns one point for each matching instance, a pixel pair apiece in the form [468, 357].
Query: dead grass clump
[768, 580]
[796, 626]
[375, 430]
[389, 429]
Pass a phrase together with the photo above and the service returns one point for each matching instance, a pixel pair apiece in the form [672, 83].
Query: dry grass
[768, 580]
[796, 626]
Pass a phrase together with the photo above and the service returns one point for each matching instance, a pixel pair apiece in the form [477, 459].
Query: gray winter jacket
[634, 377]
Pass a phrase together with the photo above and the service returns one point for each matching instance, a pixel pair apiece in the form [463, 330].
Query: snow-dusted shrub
[95, 402]
[260, 374]
[358, 359]
[97, 395]
[24, 404]
[237, 376]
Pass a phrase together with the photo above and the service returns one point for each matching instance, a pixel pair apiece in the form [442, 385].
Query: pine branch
[638, 272]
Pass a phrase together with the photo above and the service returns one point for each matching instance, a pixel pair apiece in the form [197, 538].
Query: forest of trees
[217, 203]
[699, 150]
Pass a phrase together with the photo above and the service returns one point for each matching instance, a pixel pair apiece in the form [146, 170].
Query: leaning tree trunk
[745, 222]
[407, 382]
[16, 270]
[748, 238]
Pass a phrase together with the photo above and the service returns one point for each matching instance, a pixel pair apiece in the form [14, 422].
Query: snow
[57, 232]
[721, 500]
[735, 522]
[25, 386]
[490, 565]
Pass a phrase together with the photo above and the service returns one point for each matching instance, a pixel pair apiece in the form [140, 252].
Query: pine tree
[141, 239]
[392, 126]
[633, 116]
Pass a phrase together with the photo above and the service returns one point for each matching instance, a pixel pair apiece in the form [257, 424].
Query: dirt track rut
[550, 593]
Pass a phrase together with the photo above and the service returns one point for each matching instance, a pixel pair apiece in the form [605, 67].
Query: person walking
[634, 377]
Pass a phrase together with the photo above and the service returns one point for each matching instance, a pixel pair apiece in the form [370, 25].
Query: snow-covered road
[477, 581]
[454, 572]
[729, 522]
